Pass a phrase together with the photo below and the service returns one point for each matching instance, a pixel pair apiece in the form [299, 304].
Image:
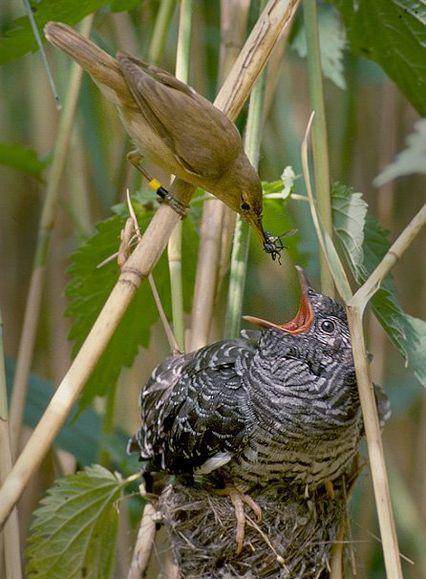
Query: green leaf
[282, 188]
[393, 34]
[332, 42]
[21, 158]
[124, 5]
[89, 288]
[74, 531]
[410, 160]
[408, 334]
[19, 39]
[349, 213]
[82, 433]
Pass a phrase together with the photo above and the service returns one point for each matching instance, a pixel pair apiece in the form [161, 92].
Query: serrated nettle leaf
[21, 158]
[393, 34]
[74, 531]
[408, 334]
[332, 43]
[410, 160]
[89, 288]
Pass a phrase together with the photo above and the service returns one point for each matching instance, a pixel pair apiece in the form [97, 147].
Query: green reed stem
[241, 242]
[319, 132]
[174, 248]
[159, 34]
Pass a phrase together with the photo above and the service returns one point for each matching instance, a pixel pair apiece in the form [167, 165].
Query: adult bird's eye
[245, 206]
[327, 326]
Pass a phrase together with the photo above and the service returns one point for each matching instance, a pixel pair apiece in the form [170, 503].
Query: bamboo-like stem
[355, 306]
[375, 447]
[209, 252]
[47, 220]
[10, 534]
[218, 220]
[241, 243]
[206, 278]
[230, 100]
[144, 543]
[159, 34]
[174, 247]
[319, 132]
[233, 27]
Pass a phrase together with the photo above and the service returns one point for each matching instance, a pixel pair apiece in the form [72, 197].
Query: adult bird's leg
[135, 158]
[238, 500]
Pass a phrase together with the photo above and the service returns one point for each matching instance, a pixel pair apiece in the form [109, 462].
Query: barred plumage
[281, 403]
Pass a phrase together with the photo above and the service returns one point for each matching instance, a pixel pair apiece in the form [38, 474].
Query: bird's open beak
[302, 320]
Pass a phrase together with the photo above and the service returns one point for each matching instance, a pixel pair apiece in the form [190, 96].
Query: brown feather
[188, 123]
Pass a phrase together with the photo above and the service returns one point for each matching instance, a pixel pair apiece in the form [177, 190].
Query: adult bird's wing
[200, 136]
[194, 409]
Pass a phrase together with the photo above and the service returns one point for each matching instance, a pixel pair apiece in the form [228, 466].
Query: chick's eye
[327, 326]
[245, 206]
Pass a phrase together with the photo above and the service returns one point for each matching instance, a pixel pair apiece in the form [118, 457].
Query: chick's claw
[238, 500]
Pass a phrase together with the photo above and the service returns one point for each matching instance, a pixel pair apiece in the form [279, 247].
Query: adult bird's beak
[256, 223]
[302, 320]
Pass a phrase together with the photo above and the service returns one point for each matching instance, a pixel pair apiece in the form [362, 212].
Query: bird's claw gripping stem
[135, 158]
[174, 203]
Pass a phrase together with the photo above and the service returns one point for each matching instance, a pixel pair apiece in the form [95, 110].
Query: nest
[294, 540]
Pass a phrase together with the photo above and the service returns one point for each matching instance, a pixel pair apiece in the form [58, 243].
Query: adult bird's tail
[102, 67]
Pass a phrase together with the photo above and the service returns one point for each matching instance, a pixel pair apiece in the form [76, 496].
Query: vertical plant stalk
[233, 26]
[319, 132]
[44, 60]
[10, 534]
[174, 247]
[355, 307]
[47, 220]
[375, 446]
[144, 543]
[230, 99]
[282, 12]
[241, 244]
[218, 220]
[159, 34]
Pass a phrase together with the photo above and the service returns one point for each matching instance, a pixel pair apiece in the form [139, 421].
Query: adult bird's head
[319, 328]
[241, 189]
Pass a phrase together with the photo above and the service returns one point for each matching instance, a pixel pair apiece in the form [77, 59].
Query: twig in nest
[265, 537]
